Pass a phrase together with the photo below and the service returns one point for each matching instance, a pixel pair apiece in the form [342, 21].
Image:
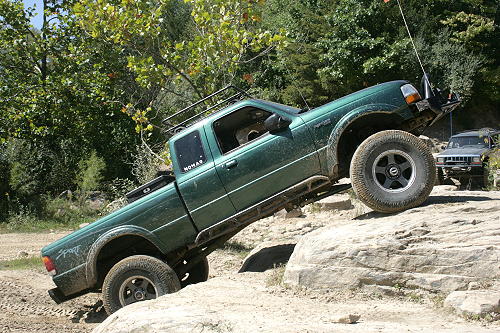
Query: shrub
[145, 165]
[90, 174]
[494, 165]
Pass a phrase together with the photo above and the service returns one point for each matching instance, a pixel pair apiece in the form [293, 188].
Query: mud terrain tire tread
[159, 273]
[367, 190]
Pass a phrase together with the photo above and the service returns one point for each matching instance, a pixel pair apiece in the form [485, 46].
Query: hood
[464, 151]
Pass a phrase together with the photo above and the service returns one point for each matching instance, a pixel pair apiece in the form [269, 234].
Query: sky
[37, 20]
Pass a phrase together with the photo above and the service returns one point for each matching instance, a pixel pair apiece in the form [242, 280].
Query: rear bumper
[58, 296]
[70, 284]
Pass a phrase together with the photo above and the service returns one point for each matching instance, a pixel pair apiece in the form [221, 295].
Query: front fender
[124, 230]
[349, 118]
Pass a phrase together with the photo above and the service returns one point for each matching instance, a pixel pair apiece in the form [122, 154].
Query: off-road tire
[410, 155]
[156, 274]
[198, 273]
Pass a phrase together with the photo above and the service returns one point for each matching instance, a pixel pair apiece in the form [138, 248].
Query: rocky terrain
[382, 273]
[432, 268]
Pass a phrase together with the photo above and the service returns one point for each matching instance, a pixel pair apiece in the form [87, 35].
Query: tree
[59, 99]
[185, 50]
[337, 47]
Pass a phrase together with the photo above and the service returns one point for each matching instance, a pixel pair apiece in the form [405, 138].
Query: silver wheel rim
[394, 171]
[136, 289]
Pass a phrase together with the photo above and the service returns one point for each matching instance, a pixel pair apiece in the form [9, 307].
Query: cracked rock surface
[442, 246]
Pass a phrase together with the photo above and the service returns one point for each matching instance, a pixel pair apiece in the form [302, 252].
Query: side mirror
[275, 123]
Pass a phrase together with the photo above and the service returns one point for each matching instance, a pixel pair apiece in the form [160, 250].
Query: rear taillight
[410, 93]
[49, 265]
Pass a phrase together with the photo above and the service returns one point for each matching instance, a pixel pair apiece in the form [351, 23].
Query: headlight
[440, 159]
[410, 93]
[476, 159]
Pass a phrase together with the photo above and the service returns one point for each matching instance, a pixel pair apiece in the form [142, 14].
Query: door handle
[231, 164]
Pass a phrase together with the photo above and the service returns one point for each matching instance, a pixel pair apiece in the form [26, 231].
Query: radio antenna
[412, 42]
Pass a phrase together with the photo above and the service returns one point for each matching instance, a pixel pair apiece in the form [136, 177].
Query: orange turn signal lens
[412, 98]
[410, 93]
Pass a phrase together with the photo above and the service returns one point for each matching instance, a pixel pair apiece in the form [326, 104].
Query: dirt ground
[26, 307]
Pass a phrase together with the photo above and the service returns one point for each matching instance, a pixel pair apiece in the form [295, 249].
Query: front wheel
[392, 171]
[137, 278]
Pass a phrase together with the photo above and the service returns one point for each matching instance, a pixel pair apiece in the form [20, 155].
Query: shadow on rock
[443, 199]
[432, 200]
[267, 258]
[91, 314]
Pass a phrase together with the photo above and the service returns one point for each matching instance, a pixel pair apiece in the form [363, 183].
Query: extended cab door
[254, 164]
[197, 179]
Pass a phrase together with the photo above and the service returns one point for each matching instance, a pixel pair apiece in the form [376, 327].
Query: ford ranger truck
[241, 160]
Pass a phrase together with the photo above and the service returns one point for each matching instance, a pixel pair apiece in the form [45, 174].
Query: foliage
[199, 43]
[90, 173]
[59, 98]
[145, 165]
[336, 47]
[57, 214]
[99, 75]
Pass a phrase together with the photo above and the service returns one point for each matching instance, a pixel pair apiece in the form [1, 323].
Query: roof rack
[484, 129]
[175, 123]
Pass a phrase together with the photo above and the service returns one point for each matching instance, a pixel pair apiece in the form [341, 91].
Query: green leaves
[199, 42]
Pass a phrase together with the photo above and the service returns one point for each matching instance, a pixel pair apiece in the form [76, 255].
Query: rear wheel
[137, 278]
[196, 274]
[392, 171]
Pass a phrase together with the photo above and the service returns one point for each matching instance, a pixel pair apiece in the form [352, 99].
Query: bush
[90, 173]
[145, 165]
[494, 166]
[117, 188]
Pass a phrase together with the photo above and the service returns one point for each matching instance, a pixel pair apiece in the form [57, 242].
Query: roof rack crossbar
[204, 99]
[182, 123]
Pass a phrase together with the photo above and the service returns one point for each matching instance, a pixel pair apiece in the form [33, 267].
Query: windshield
[462, 141]
[286, 108]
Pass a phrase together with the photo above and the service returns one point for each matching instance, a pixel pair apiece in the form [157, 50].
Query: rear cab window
[190, 152]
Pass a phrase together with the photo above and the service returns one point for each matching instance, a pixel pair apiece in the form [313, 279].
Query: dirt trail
[25, 305]
[13, 243]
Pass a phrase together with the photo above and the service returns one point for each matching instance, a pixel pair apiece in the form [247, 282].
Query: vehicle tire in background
[439, 176]
[198, 273]
[392, 171]
[137, 278]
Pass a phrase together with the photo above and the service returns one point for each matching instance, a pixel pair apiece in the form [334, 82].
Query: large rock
[267, 255]
[474, 302]
[241, 304]
[443, 246]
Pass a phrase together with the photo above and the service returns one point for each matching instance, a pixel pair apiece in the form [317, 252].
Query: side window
[189, 151]
[240, 127]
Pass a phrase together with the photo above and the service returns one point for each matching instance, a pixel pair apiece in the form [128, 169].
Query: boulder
[266, 256]
[241, 303]
[474, 302]
[440, 248]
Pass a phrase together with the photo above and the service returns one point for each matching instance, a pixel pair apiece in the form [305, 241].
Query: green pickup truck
[240, 161]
